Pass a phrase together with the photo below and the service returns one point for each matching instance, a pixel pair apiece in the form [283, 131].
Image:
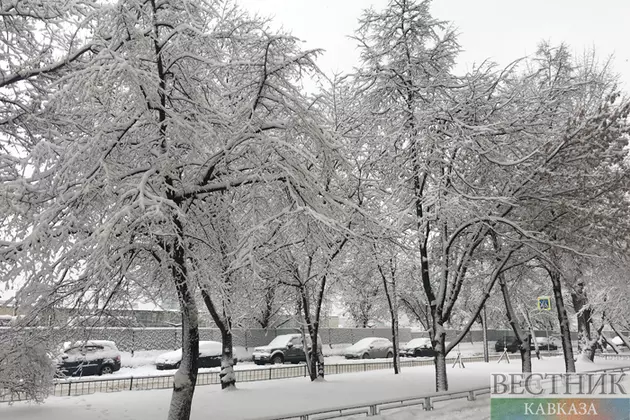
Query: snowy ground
[260, 399]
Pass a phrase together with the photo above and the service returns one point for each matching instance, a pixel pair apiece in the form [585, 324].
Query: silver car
[370, 348]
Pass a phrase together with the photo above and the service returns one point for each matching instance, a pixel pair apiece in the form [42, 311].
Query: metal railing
[73, 387]
[377, 407]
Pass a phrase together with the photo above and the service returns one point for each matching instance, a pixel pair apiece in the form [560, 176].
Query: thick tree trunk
[563, 320]
[186, 376]
[439, 345]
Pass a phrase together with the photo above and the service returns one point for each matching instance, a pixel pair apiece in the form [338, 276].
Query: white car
[209, 356]
[370, 348]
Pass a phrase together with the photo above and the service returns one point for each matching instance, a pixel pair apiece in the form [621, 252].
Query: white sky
[501, 30]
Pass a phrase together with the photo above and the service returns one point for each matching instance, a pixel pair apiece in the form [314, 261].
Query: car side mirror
[372, 346]
[290, 345]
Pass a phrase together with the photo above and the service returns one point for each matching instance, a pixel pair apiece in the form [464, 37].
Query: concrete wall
[493, 335]
[131, 339]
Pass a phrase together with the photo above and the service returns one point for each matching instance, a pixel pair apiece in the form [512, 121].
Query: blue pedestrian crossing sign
[544, 303]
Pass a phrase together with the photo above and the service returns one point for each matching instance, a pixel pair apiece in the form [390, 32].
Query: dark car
[209, 356]
[94, 357]
[418, 347]
[283, 348]
[544, 344]
[507, 342]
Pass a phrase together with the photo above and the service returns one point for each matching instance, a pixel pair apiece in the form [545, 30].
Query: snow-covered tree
[178, 101]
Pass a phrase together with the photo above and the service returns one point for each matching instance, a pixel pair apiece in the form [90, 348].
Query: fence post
[471, 396]
[427, 404]
[269, 373]
[131, 384]
[69, 386]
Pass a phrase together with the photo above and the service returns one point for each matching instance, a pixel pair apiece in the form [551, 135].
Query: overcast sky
[501, 30]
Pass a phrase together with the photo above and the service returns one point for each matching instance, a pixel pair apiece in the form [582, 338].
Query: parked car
[284, 348]
[509, 342]
[544, 344]
[418, 347]
[85, 358]
[370, 348]
[209, 356]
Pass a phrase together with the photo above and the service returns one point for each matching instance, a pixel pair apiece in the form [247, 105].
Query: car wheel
[106, 370]
[390, 355]
[277, 360]
[365, 356]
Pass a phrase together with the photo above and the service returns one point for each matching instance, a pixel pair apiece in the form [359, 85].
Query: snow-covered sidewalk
[260, 399]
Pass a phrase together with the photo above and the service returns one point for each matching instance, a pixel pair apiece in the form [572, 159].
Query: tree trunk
[228, 379]
[523, 339]
[484, 325]
[583, 313]
[526, 355]
[439, 345]
[227, 376]
[563, 320]
[315, 356]
[186, 376]
[391, 296]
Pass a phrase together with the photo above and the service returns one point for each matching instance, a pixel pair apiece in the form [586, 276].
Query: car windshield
[281, 340]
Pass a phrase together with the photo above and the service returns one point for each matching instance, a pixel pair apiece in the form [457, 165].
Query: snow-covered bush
[27, 368]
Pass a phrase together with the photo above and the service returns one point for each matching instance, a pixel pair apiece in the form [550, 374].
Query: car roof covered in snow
[103, 343]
